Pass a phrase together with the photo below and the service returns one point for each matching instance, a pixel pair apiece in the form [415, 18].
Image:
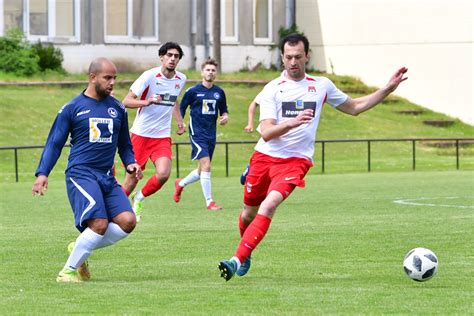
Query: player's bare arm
[362, 104]
[131, 101]
[269, 129]
[251, 114]
[40, 186]
[179, 119]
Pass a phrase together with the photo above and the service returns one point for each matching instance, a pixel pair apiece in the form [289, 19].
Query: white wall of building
[372, 38]
[234, 57]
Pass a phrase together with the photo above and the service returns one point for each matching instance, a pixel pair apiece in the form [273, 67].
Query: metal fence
[452, 141]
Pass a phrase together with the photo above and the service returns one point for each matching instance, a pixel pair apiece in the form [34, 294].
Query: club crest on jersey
[217, 95]
[100, 130]
[177, 86]
[311, 89]
[112, 112]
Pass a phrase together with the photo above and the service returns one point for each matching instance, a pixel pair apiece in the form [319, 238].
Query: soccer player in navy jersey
[207, 104]
[290, 109]
[98, 125]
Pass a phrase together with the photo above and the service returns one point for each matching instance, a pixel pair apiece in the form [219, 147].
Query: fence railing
[456, 142]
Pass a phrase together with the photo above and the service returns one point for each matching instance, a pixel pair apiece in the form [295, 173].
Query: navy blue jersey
[97, 129]
[206, 105]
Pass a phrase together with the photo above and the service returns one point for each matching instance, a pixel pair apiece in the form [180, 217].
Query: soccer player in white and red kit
[290, 108]
[155, 94]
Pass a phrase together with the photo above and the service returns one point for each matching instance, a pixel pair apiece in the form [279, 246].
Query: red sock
[242, 226]
[151, 186]
[125, 191]
[253, 235]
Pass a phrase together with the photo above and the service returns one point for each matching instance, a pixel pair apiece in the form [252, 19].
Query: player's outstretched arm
[362, 104]
[40, 185]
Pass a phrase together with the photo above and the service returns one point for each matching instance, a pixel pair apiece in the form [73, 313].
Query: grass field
[335, 247]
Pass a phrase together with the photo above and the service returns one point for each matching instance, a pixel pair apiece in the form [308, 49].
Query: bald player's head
[98, 64]
[102, 75]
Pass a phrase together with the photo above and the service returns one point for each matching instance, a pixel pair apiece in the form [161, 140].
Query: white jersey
[155, 120]
[282, 99]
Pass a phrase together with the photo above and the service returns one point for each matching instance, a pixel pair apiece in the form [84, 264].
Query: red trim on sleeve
[158, 75]
[177, 77]
[145, 92]
[310, 79]
[325, 99]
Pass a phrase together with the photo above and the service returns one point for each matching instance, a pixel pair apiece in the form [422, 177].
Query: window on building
[229, 20]
[263, 21]
[45, 20]
[131, 20]
[12, 14]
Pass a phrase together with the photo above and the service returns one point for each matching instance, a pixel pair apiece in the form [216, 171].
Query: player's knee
[98, 225]
[127, 222]
[163, 177]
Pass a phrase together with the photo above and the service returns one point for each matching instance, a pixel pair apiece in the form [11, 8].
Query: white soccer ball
[420, 264]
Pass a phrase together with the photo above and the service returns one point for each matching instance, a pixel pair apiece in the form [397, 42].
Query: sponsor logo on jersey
[112, 112]
[83, 112]
[208, 107]
[100, 129]
[200, 94]
[293, 108]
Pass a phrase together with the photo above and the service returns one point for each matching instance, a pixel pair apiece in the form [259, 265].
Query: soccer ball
[420, 264]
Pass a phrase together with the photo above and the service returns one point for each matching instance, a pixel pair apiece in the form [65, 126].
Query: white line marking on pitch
[411, 202]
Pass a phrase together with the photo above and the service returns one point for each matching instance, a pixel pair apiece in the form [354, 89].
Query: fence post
[177, 160]
[227, 159]
[16, 164]
[368, 155]
[413, 155]
[457, 154]
[322, 156]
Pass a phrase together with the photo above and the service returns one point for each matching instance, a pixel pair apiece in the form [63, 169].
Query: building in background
[370, 38]
[363, 38]
[130, 31]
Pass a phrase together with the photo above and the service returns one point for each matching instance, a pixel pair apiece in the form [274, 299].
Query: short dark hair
[293, 39]
[170, 45]
[209, 61]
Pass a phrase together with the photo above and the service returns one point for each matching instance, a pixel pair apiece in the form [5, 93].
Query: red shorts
[153, 148]
[273, 174]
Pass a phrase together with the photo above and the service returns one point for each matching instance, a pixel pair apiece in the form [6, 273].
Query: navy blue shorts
[93, 194]
[202, 147]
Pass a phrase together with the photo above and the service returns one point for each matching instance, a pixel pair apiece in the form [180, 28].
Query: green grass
[335, 247]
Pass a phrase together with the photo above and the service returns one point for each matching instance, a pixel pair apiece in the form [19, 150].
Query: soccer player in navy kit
[207, 103]
[98, 126]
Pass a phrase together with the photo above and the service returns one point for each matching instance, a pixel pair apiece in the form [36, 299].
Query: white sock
[193, 176]
[238, 262]
[206, 186]
[113, 234]
[85, 243]
[139, 196]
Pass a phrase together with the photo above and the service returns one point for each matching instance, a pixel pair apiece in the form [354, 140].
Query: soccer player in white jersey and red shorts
[155, 94]
[290, 108]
